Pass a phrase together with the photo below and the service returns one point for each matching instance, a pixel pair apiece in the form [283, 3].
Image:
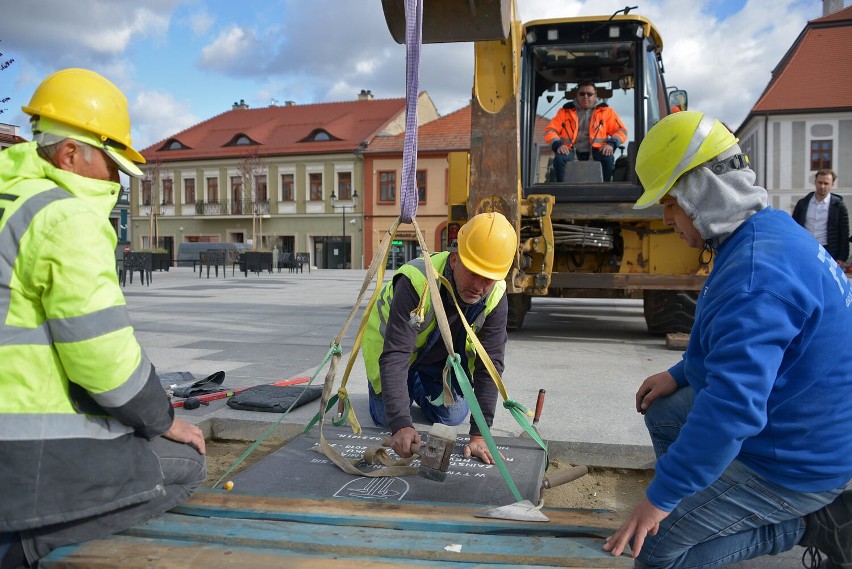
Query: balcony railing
[232, 207]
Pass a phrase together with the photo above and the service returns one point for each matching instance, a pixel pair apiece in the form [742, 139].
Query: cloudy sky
[183, 61]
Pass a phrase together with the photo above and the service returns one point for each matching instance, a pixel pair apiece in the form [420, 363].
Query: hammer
[434, 453]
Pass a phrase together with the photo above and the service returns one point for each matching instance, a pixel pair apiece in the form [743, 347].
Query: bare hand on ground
[477, 447]
[183, 432]
[644, 521]
[403, 440]
[658, 385]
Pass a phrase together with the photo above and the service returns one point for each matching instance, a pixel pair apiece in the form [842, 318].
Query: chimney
[241, 105]
[289, 103]
[365, 95]
[831, 6]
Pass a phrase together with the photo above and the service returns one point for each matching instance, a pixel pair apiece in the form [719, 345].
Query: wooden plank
[142, 553]
[677, 341]
[409, 516]
[217, 529]
[379, 543]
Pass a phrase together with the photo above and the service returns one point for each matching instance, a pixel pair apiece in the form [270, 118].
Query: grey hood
[719, 203]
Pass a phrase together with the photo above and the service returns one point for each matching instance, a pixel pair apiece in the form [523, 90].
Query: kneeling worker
[89, 440]
[752, 428]
[405, 359]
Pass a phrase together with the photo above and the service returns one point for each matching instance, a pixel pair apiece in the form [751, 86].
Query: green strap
[476, 412]
[278, 422]
[520, 413]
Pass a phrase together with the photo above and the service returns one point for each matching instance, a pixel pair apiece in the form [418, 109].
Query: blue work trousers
[424, 385]
[740, 516]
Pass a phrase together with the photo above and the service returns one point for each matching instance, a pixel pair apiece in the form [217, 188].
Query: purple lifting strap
[413, 37]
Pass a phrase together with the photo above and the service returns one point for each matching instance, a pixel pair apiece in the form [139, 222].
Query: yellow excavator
[580, 237]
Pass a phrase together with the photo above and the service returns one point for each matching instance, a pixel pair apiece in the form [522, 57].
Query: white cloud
[157, 115]
[200, 22]
[232, 49]
[285, 51]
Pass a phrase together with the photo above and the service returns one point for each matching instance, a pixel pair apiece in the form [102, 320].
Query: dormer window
[319, 135]
[241, 140]
[174, 144]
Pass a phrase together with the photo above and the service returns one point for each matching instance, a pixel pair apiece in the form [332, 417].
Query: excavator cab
[621, 57]
[579, 236]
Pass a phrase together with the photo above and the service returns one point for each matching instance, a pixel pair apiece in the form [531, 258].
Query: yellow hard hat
[81, 104]
[487, 245]
[674, 146]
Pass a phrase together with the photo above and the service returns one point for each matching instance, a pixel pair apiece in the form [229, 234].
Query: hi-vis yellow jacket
[78, 396]
[415, 271]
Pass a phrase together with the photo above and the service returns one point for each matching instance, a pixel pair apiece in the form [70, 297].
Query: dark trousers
[183, 471]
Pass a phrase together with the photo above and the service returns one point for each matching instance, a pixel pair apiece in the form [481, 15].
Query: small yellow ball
[229, 485]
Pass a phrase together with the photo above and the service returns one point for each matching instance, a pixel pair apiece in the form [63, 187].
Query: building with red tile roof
[383, 181]
[10, 134]
[383, 161]
[802, 122]
[278, 176]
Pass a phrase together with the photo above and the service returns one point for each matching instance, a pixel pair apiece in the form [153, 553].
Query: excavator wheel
[519, 304]
[670, 311]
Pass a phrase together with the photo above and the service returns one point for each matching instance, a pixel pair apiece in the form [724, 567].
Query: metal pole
[343, 217]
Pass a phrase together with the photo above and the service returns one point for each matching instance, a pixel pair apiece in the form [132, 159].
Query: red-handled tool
[206, 398]
[539, 407]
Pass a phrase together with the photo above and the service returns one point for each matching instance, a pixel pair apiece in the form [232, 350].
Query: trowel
[526, 511]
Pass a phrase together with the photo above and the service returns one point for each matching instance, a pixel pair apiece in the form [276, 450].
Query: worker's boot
[828, 537]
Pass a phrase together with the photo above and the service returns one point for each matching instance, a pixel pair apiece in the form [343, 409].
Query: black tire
[519, 304]
[670, 311]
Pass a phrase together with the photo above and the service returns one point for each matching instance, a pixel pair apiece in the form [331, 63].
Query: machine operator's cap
[86, 106]
[110, 147]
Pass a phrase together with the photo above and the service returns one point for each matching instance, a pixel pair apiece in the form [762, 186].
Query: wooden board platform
[216, 529]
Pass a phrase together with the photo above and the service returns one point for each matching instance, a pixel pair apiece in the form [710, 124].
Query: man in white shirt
[825, 217]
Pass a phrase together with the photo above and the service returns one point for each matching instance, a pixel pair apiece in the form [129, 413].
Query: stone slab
[296, 469]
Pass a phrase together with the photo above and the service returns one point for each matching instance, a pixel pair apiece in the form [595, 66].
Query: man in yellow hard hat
[88, 438]
[753, 427]
[404, 354]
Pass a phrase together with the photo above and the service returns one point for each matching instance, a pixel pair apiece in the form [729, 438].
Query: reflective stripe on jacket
[415, 271]
[78, 396]
[604, 125]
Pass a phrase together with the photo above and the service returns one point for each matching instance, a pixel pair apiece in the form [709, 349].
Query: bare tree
[154, 174]
[249, 166]
[4, 64]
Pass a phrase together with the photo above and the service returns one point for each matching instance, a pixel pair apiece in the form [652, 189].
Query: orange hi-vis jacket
[604, 126]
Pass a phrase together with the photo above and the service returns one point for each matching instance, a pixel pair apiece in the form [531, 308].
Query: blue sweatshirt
[768, 360]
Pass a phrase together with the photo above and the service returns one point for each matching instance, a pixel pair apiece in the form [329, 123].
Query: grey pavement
[589, 355]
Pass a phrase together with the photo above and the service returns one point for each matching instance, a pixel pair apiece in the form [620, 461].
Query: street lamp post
[343, 208]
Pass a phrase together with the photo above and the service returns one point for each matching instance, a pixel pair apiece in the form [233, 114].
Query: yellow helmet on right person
[674, 146]
[487, 245]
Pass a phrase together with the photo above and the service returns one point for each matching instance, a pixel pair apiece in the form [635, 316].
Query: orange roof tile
[281, 130]
[9, 139]
[816, 72]
[450, 132]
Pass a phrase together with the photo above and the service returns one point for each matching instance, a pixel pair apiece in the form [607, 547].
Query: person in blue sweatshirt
[753, 427]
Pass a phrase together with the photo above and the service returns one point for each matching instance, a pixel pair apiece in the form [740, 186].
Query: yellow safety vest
[415, 271]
